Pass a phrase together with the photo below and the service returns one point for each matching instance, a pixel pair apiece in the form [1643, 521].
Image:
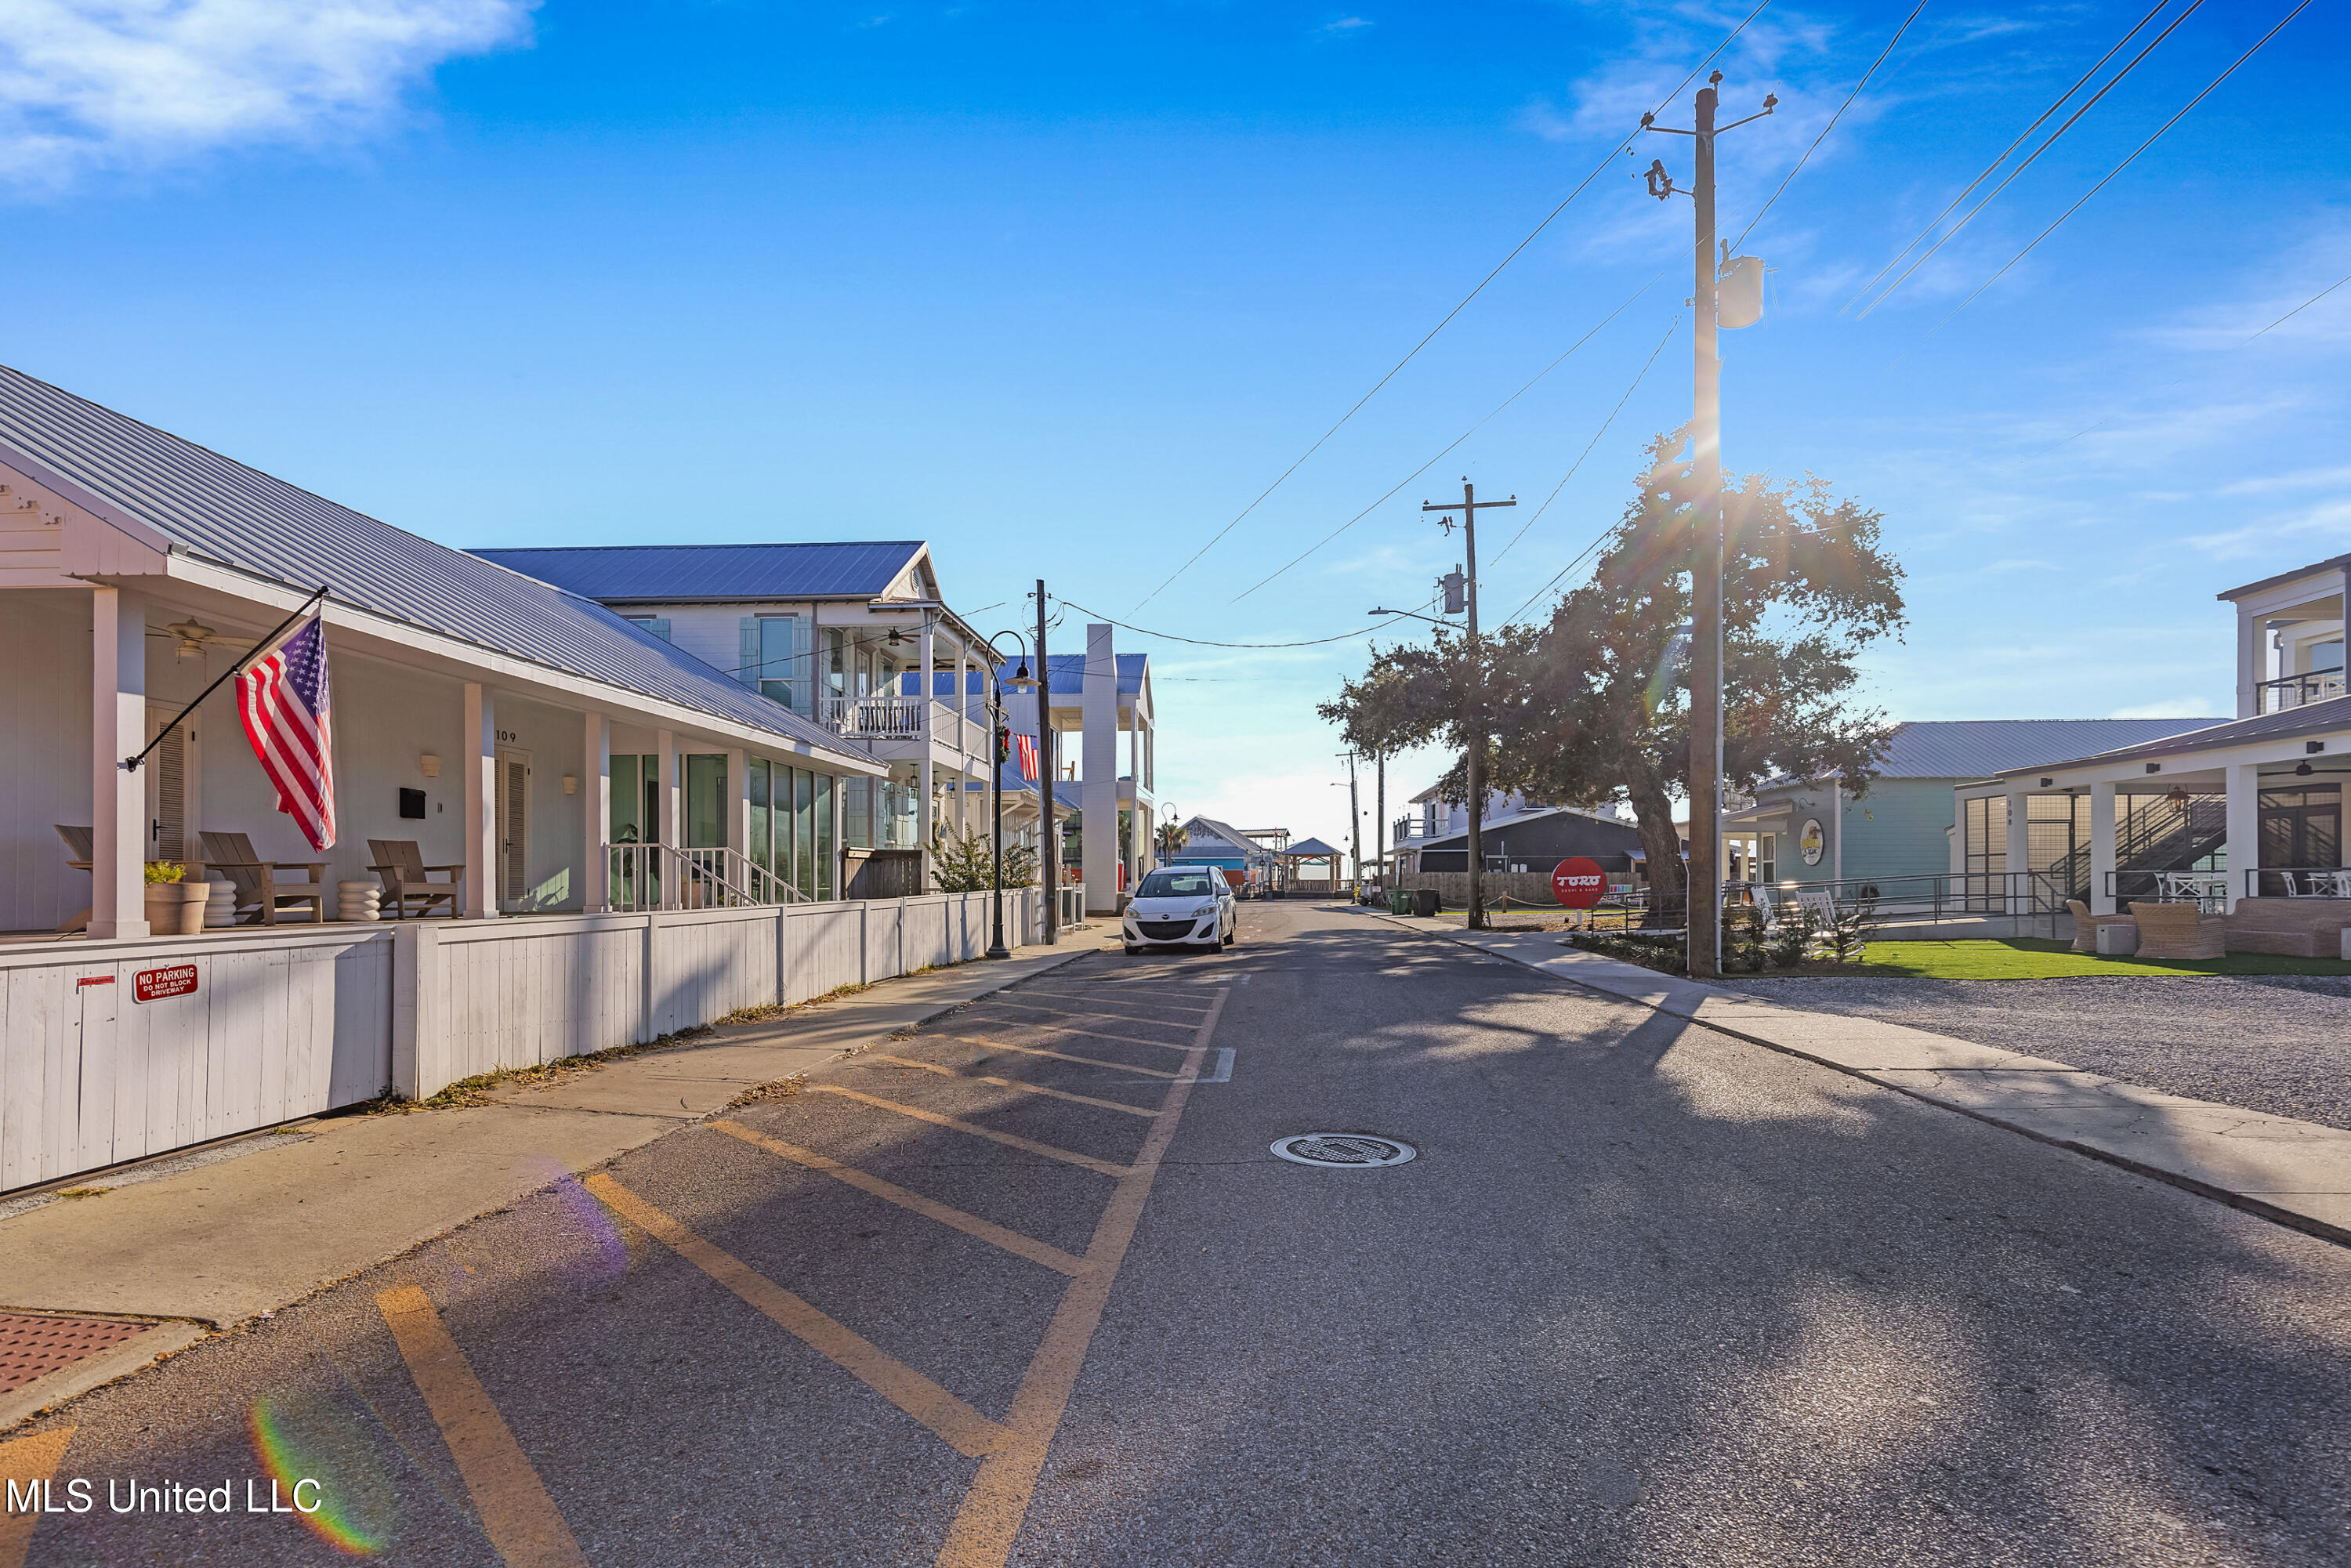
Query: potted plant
[176, 907]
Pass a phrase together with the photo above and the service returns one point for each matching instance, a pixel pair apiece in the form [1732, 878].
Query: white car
[1185, 906]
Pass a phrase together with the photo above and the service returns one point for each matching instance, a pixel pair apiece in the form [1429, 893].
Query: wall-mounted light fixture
[572, 784]
[2314, 745]
[429, 765]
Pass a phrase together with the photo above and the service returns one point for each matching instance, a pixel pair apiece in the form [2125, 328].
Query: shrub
[1792, 935]
[165, 871]
[1848, 931]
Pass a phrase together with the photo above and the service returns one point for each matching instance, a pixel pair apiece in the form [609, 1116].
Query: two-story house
[840, 635]
[2249, 809]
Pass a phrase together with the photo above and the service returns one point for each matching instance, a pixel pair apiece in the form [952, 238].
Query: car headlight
[1207, 908]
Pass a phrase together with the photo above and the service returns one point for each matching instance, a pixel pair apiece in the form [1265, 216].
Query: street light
[999, 735]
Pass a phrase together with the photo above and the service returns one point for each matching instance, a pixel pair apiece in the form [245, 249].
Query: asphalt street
[1645, 1295]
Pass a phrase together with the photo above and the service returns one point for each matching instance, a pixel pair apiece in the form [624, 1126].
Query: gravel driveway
[2279, 1044]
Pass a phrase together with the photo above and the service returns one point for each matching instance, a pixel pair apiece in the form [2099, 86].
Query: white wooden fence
[116, 1050]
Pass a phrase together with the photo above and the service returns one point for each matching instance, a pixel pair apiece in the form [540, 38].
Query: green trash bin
[1399, 901]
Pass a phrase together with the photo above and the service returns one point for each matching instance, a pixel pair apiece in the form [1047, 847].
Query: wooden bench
[2296, 927]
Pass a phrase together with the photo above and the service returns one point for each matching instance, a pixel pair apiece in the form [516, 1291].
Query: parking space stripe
[1056, 1055]
[989, 1519]
[966, 1430]
[26, 1461]
[521, 1521]
[1012, 1241]
[1014, 1084]
[1093, 1034]
[1087, 1013]
[1011, 1140]
[1086, 996]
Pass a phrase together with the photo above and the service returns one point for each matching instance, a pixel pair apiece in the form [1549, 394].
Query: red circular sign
[1577, 882]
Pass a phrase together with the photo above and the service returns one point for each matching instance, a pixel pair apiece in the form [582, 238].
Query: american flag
[281, 696]
[1026, 746]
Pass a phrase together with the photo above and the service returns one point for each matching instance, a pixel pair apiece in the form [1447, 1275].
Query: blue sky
[1063, 287]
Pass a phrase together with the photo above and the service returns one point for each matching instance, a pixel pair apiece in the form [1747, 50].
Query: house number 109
[506, 735]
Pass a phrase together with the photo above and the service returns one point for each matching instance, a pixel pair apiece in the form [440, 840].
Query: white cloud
[109, 83]
[2172, 707]
[1342, 27]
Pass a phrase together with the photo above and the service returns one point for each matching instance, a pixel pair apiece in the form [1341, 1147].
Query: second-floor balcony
[887, 717]
[2298, 691]
[1410, 828]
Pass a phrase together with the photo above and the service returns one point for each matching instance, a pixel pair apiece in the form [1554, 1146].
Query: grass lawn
[2038, 958]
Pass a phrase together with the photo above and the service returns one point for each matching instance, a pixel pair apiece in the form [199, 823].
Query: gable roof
[1313, 849]
[2334, 714]
[1224, 830]
[217, 509]
[670, 574]
[1981, 747]
[1066, 672]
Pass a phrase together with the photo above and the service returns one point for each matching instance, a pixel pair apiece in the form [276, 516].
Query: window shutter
[747, 654]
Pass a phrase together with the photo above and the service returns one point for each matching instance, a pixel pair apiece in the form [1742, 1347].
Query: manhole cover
[1342, 1151]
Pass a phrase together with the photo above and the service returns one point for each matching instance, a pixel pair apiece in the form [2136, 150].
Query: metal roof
[1313, 850]
[1068, 672]
[221, 510]
[1224, 830]
[2311, 718]
[1980, 748]
[670, 574]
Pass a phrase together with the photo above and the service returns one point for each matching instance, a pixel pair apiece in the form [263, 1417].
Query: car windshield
[1178, 884]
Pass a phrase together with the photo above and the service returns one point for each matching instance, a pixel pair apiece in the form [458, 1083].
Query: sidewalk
[229, 1234]
[2295, 1173]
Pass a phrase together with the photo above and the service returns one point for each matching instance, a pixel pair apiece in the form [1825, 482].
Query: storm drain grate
[1342, 1151]
[33, 1346]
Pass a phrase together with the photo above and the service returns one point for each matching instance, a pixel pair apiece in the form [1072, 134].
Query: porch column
[1098, 774]
[671, 800]
[2102, 848]
[2244, 830]
[596, 815]
[2020, 851]
[2252, 662]
[924, 821]
[481, 769]
[117, 798]
[739, 801]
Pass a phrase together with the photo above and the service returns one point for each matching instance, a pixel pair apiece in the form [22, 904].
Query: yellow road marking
[989, 1519]
[1085, 996]
[1028, 1247]
[521, 1521]
[1013, 1140]
[1093, 1013]
[24, 1461]
[1056, 1055]
[1093, 1034]
[967, 1431]
[1015, 1083]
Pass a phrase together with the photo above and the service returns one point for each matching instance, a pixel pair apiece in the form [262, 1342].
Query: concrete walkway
[2295, 1173]
[226, 1236]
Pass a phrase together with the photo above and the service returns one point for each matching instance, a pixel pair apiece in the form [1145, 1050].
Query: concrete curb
[2292, 1173]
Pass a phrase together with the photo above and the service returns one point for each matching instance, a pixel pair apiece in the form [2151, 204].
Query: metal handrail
[884, 718]
[664, 876]
[2294, 691]
[2308, 882]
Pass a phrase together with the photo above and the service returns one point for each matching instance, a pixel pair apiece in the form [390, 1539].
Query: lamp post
[999, 735]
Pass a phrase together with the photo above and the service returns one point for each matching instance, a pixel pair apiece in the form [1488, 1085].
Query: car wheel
[1133, 952]
[1232, 936]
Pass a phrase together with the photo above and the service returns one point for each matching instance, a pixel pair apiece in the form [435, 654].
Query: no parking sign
[1577, 882]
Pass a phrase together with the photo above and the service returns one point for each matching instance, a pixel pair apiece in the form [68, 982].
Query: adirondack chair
[258, 887]
[78, 856]
[408, 879]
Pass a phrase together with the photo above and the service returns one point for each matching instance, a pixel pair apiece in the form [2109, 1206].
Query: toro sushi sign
[154, 985]
[1577, 882]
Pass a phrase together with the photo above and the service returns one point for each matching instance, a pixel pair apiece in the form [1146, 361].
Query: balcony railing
[2299, 690]
[877, 718]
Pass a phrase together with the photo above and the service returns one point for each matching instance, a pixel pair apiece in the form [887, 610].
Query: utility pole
[1475, 752]
[1380, 817]
[1704, 877]
[1355, 827]
[1047, 840]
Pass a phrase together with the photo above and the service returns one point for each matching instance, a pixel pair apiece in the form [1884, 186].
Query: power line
[1674, 327]
[1449, 315]
[2127, 162]
[1450, 446]
[2303, 306]
[2038, 122]
[1831, 125]
[1201, 642]
[2070, 122]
